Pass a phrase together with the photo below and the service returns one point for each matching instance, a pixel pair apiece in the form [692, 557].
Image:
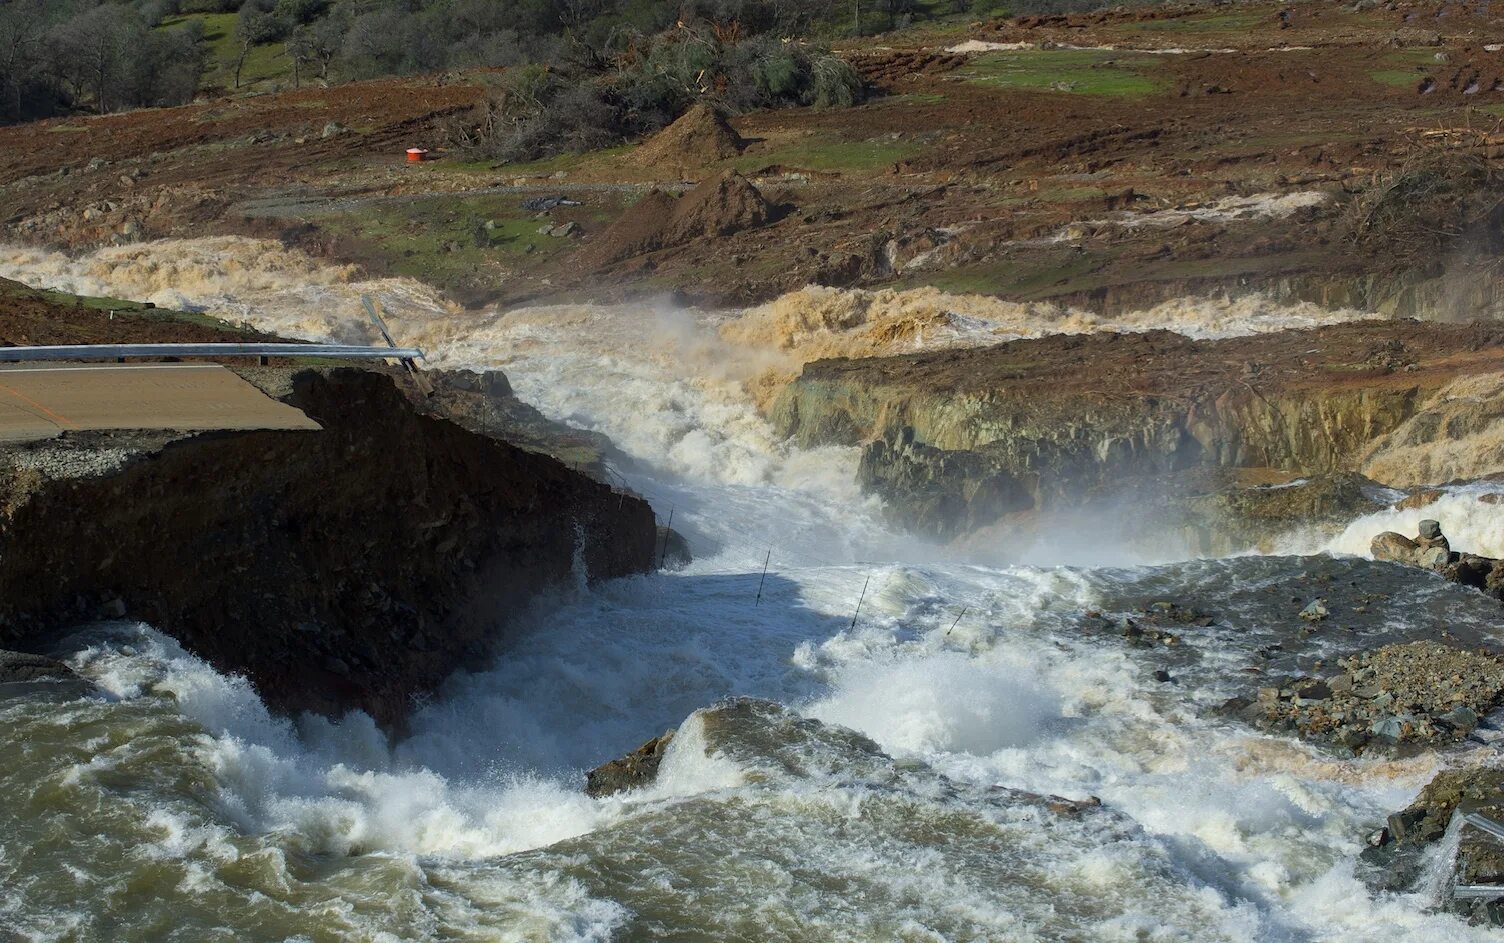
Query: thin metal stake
[764, 576]
[859, 603]
[667, 529]
[957, 622]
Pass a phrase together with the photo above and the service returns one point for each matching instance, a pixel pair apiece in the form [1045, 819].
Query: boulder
[1432, 551]
[1395, 548]
[1433, 558]
[638, 768]
[1315, 611]
[22, 666]
[1485, 574]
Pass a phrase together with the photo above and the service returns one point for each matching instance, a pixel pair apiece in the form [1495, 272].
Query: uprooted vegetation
[1438, 205]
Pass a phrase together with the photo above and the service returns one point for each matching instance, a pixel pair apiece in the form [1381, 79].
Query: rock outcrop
[353, 567]
[955, 439]
[1247, 512]
[26, 667]
[29, 675]
[485, 403]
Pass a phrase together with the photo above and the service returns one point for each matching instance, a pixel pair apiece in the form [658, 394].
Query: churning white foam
[238, 279]
[1471, 524]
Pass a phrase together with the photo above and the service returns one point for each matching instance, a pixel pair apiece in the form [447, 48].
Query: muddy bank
[354, 567]
[956, 440]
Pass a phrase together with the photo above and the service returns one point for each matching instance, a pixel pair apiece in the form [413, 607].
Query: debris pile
[699, 137]
[1414, 693]
[716, 208]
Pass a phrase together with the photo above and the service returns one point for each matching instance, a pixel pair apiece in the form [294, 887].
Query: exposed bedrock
[353, 567]
[955, 440]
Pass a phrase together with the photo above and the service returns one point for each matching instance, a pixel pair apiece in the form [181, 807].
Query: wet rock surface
[485, 403]
[1229, 510]
[673, 549]
[23, 666]
[29, 675]
[1430, 550]
[1401, 855]
[638, 768]
[770, 741]
[1417, 693]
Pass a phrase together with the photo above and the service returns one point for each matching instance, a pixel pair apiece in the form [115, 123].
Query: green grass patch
[1070, 194]
[1402, 67]
[831, 155]
[124, 310]
[1079, 71]
[263, 64]
[459, 241]
[1049, 272]
[549, 165]
[1216, 23]
[1395, 77]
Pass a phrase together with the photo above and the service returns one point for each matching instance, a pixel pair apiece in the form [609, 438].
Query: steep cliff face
[954, 440]
[354, 567]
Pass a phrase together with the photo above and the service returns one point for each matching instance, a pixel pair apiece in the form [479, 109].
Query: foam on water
[189, 800]
[236, 278]
[1470, 523]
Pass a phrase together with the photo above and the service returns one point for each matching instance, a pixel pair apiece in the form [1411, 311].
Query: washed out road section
[41, 402]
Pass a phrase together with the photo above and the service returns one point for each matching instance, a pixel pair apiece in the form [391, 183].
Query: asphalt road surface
[39, 402]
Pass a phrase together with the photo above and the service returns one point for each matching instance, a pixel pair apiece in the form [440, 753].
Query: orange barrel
[416, 154]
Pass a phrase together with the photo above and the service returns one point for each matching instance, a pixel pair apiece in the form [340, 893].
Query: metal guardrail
[120, 351]
[1479, 891]
[1484, 823]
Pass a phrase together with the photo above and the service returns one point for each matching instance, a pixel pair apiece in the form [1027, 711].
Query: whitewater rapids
[176, 808]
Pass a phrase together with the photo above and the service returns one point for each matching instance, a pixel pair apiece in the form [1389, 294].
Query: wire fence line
[758, 556]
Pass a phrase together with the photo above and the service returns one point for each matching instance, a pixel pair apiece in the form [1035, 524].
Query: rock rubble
[1421, 693]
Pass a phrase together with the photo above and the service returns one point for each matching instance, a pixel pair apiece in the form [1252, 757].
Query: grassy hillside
[266, 67]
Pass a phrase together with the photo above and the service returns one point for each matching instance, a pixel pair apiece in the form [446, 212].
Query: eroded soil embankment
[955, 440]
[354, 567]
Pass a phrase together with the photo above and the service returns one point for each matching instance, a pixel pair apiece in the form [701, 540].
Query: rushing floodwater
[176, 808]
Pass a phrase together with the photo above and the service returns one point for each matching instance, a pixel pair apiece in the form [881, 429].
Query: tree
[23, 27]
[255, 24]
[299, 49]
[165, 68]
[90, 51]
